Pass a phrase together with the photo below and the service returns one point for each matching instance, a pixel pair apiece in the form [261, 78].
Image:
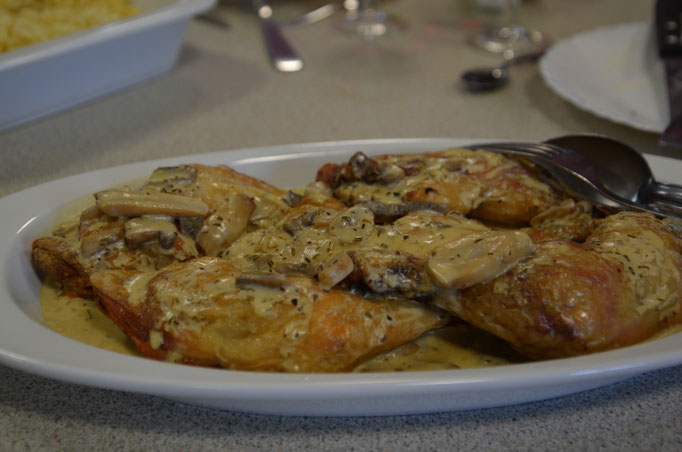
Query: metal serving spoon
[623, 170]
[488, 79]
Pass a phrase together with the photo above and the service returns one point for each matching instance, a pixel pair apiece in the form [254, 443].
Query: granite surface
[223, 94]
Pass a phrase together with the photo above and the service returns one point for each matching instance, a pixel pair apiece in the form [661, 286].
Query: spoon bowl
[622, 170]
[485, 79]
[488, 79]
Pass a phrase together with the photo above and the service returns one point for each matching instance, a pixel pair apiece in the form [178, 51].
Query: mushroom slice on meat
[335, 270]
[168, 176]
[292, 199]
[390, 172]
[145, 229]
[362, 167]
[190, 226]
[99, 234]
[478, 258]
[226, 224]
[295, 225]
[384, 271]
[273, 280]
[133, 204]
[389, 212]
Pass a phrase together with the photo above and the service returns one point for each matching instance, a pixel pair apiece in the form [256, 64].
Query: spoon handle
[666, 193]
[282, 55]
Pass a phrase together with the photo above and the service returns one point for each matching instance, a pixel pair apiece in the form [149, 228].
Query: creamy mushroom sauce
[81, 319]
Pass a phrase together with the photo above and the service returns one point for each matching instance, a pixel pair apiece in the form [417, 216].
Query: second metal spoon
[488, 79]
[623, 171]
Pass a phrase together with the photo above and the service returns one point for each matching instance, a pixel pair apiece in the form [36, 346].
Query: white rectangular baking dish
[41, 79]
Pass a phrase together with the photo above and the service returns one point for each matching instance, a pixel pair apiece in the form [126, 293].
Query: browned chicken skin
[205, 312]
[620, 287]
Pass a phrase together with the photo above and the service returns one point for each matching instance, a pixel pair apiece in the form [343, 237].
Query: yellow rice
[26, 22]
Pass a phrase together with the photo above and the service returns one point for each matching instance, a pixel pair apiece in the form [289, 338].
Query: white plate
[27, 344]
[613, 72]
[50, 76]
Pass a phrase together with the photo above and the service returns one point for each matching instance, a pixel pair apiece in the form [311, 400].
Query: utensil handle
[666, 193]
[669, 28]
[282, 55]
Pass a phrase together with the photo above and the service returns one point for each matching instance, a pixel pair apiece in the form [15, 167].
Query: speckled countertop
[223, 94]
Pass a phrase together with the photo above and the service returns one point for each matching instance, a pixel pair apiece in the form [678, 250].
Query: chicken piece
[481, 184]
[620, 287]
[178, 214]
[205, 312]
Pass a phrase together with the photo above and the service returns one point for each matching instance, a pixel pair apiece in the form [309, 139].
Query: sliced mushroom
[272, 280]
[305, 220]
[389, 212]
[361, 167]
[335, 270]
[90, 213]
[149, 228]
[390, 172]
[478, 258]
[133, 204]
[97, 238]
[226, 224]
[172, 174]
[292, 199]
[384, 271]
[190, 226]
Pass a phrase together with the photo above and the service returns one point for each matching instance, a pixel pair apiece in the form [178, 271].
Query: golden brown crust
[569, 299]
[57, 260]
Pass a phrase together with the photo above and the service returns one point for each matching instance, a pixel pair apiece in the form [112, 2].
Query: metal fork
[575, 173]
